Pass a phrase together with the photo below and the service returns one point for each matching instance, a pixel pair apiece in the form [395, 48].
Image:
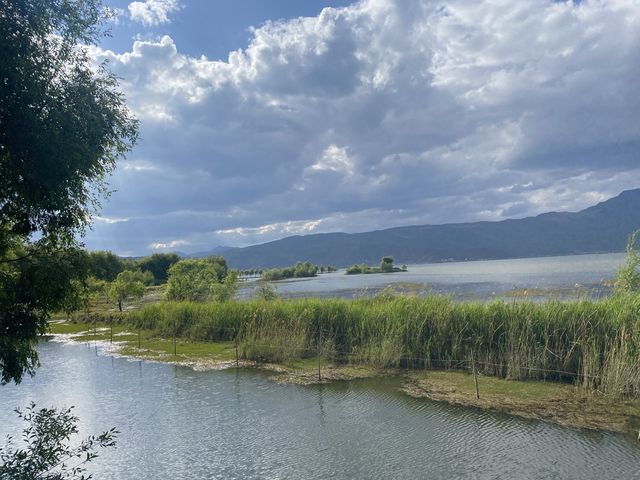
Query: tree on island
[386, 266]
[63, 126]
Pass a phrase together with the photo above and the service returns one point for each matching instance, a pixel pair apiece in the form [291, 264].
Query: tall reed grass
[596, 344]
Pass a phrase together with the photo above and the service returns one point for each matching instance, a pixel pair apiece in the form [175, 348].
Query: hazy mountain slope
[601, 228]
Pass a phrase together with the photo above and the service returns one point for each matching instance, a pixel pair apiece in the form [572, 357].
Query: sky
[262, 119]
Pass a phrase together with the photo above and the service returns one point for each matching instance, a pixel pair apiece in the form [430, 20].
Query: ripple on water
[181, 424]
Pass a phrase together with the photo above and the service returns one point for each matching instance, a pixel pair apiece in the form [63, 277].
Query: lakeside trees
[299, 270]
[128, 285]
[198, 279]
[158, 264]
[106, 265]
[63, 126]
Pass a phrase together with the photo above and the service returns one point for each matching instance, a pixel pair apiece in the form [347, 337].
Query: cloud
[334, 159]
[379, 114]
[108, 220]
[169, 245]
[153, 12]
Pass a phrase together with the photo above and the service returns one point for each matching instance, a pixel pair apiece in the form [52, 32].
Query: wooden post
[319, 341]
[138, 338]
[174, 338]
[111, 339]
[475, 373]
[237, 359]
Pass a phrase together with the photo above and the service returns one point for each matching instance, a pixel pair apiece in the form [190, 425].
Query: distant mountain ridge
[601, 228]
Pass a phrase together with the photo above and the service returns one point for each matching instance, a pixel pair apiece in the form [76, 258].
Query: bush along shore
[591, 347]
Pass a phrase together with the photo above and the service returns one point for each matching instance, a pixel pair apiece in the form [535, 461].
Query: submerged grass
[594, 344]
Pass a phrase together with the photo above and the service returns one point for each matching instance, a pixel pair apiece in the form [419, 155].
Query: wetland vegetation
[566, 361]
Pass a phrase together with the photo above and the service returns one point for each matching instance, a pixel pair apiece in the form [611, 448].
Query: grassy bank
[586, 353]
[567, 405]
[593, 344]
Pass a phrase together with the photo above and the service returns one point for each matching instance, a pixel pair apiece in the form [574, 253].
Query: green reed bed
[596, 344]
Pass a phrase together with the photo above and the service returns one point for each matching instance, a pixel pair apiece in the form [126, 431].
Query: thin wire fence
[247, 349]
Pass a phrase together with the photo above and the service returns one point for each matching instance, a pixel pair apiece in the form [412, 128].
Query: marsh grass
[595, 344]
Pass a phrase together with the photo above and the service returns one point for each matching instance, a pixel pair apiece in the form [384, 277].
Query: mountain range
[604, 227]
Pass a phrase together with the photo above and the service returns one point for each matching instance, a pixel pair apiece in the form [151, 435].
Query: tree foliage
[225, 290]
[127, 285]
[386, 264]
[628, 276]
[46, 453]
[63, 125]
[63, 121]
[299, 270]
[105, 265]
[266, 292]
[158, 264]
[34, 280]
[196, 279]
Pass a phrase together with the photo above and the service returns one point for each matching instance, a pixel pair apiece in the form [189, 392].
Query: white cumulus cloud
[384, 112]
[153, 12]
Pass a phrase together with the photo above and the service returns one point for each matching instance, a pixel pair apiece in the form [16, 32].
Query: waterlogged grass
[594, 344]
[561, 403]
[281, 336]
[192, 352]
[144, 344]
[491, 387]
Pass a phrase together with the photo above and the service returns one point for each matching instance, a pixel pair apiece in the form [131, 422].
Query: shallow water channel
[181, 424]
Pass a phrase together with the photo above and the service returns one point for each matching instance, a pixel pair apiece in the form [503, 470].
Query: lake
[182, 424]
[557, 277]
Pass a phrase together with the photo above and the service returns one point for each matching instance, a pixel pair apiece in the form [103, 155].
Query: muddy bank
[565, 405]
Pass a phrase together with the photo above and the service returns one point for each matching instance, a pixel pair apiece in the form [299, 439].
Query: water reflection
[177, 423]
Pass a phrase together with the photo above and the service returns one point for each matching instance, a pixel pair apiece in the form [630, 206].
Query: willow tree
[63, 126]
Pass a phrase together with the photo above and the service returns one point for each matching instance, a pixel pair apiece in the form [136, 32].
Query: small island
[386, 266]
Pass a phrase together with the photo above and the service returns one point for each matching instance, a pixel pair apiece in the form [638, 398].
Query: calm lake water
[176, 423]
[478, 280]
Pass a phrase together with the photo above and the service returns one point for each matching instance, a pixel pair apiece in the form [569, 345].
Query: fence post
[111, 322]
[174, 338]
[236, 341]
[319, 341]
[475, 373]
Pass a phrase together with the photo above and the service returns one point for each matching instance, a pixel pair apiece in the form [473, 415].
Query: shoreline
[562, 404]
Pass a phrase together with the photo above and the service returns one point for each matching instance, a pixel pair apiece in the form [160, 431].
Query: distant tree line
[386, 266]
[106, 265]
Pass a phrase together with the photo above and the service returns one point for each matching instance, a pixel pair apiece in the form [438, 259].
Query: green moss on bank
[559, 403]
